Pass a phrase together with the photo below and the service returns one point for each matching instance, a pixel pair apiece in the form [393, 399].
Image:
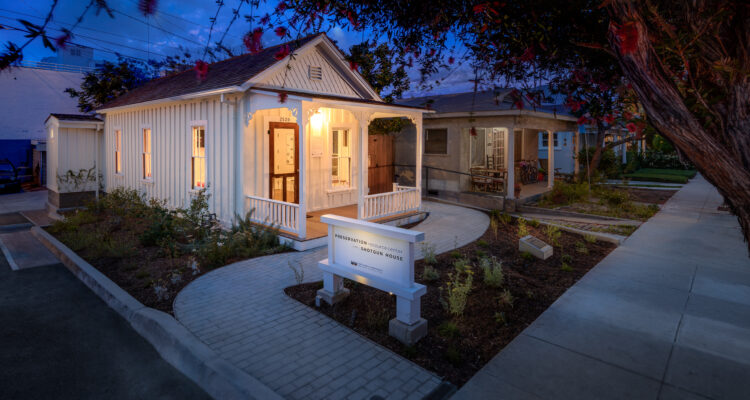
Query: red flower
[281, 7]
[627, 35]
[62, 40]
[631, 127]
[451, 60]
[201, 70]
[480, 8]
[252, 41]
[582, 120]
[265, 19]
[515, 96]
[609, 118]
[352, 19]
[280, 31]
[282, 53]
[528, 54]
[282, 97]
[147, 7]
[473, 131]
[353, 66]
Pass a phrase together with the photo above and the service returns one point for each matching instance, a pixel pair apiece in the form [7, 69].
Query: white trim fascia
[260, 92]
[189, 96]
[312, 93]
[500, 113]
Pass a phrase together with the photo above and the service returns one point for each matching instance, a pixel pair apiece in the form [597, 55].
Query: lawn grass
[661, 175]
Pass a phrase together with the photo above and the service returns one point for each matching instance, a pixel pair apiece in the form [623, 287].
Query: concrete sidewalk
[664, 316]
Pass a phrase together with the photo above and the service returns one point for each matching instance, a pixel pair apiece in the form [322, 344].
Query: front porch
[309, 157]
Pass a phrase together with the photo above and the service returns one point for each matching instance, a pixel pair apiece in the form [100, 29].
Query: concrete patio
[664, 316]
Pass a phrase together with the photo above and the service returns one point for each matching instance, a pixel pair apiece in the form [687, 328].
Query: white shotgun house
[286, 138]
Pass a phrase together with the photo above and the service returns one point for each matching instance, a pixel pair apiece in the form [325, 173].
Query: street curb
[175, 344]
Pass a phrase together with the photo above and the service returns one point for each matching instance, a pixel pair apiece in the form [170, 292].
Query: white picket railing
[401, 200]
[282, 215]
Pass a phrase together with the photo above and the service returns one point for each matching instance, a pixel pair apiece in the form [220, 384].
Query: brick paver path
[242, 313]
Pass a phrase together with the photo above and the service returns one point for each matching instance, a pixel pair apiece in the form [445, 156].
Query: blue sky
[176, 23]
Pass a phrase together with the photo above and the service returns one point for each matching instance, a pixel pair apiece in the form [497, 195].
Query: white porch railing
[282, 215]
[401, 200]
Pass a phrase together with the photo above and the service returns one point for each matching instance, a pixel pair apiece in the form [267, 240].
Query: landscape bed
[152, 252]
[661, 175]
[496, 309]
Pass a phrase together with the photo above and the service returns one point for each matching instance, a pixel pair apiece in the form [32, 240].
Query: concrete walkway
[24, 201]
[242, 313]
[664, 316]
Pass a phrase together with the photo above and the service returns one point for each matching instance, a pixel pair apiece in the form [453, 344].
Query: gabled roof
[234, 71]
[481, 101]
[74, 117]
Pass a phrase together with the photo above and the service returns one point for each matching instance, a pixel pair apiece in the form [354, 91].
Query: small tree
[108, 81]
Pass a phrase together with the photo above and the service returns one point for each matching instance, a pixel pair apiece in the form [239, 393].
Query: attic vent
[316, 73]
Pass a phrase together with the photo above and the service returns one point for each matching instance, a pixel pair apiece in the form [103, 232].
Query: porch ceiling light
[316, 123]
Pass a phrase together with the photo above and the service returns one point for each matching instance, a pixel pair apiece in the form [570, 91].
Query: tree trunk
[725, 163]
[598, 150]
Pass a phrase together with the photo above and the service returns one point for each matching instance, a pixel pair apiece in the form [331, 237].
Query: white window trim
[541, 140]
[122, 163]
[151, 138]
[202, 123]
[447, 134]
[352, 152]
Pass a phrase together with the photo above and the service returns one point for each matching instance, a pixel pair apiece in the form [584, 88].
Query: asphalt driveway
[60, 341]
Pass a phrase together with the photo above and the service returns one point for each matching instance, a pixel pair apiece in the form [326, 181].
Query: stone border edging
[173, 342]
[603, 236]
[564, 213]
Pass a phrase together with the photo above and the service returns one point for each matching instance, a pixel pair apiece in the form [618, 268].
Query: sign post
[379, 256]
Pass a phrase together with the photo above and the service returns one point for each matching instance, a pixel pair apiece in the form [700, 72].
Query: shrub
[505, 218]
[566, 193]
[298, 270]
[162, 225]
[454, 295]
[501, 318]
[430, 274]
[534, 223]
[456, 254]
[523, 230]
[428, 253]
[493, 271]
[527, 256]
[479, 253]
[506, 298]
[449, 330]
[657, 159]
[589, 238]
[482, 243]
[613, 197]
[581, 247]
[566, 258]
[553, 234]
[566, 267]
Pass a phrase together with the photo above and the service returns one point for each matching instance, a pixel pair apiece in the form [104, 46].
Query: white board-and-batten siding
[297, 76]
[171, 151]
[73, 149]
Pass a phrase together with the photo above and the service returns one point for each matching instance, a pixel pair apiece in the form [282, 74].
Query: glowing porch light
[316, 123]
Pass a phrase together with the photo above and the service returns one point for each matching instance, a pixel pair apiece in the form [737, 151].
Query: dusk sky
[176, 23]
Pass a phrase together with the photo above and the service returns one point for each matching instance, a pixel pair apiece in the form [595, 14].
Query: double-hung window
[118, 151]
[341, 159]
[146, 154]
[198, 162]
[545, 140]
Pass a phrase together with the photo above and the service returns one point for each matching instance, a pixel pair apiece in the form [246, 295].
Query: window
[341, 158]
[436, 141]
[118, 151]
[315, 73]
[146, 155]
[545, 141]
[199, 157]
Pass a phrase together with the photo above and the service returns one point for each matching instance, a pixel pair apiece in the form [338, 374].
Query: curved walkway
[242, 313]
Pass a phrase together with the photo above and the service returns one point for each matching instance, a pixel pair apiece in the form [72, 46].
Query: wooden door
[284, 178]
[381, 173]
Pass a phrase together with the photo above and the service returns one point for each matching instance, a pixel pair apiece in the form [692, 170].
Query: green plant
[428, 253]
[565, 193]
[529, 294]
[589, 238]
[453, 356]
[449, 330]
[506, 298]
[534, 223]
[493, 271]
[456, 291]
[501, 318]
[566, 258]
[553, 234]
[430, 274]
[298, 270]
[142, 274]
[566, 267]
[527, 256]
[523, 230]
[505, 218]
[581, 247]
[456, 254]
[494, 226]
[482, 243]
[479, 253]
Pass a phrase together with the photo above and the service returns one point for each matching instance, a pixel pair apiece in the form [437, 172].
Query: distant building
[73, 55]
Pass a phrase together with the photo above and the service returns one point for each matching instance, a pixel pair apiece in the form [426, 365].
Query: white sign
[373, 255]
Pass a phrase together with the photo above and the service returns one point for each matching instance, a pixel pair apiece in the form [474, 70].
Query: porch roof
[322, 96]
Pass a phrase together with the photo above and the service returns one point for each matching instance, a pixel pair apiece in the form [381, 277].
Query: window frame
[198, 124]
[555, 139]
[118, 151]
[427, 136]
[145, 128]
[350, 145]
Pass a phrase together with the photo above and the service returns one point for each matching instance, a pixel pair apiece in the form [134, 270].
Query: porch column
[576, 148]
[550, 159]
[509, 156]
[304, 117]
[364, 122]
[624, 150]
[420, 141]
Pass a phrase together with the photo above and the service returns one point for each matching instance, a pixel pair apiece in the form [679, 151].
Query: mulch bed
[650, 196]
[486, 325]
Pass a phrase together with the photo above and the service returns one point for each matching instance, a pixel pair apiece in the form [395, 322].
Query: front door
[284, 162]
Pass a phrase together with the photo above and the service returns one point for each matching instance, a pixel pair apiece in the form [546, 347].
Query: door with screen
[284, 177]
